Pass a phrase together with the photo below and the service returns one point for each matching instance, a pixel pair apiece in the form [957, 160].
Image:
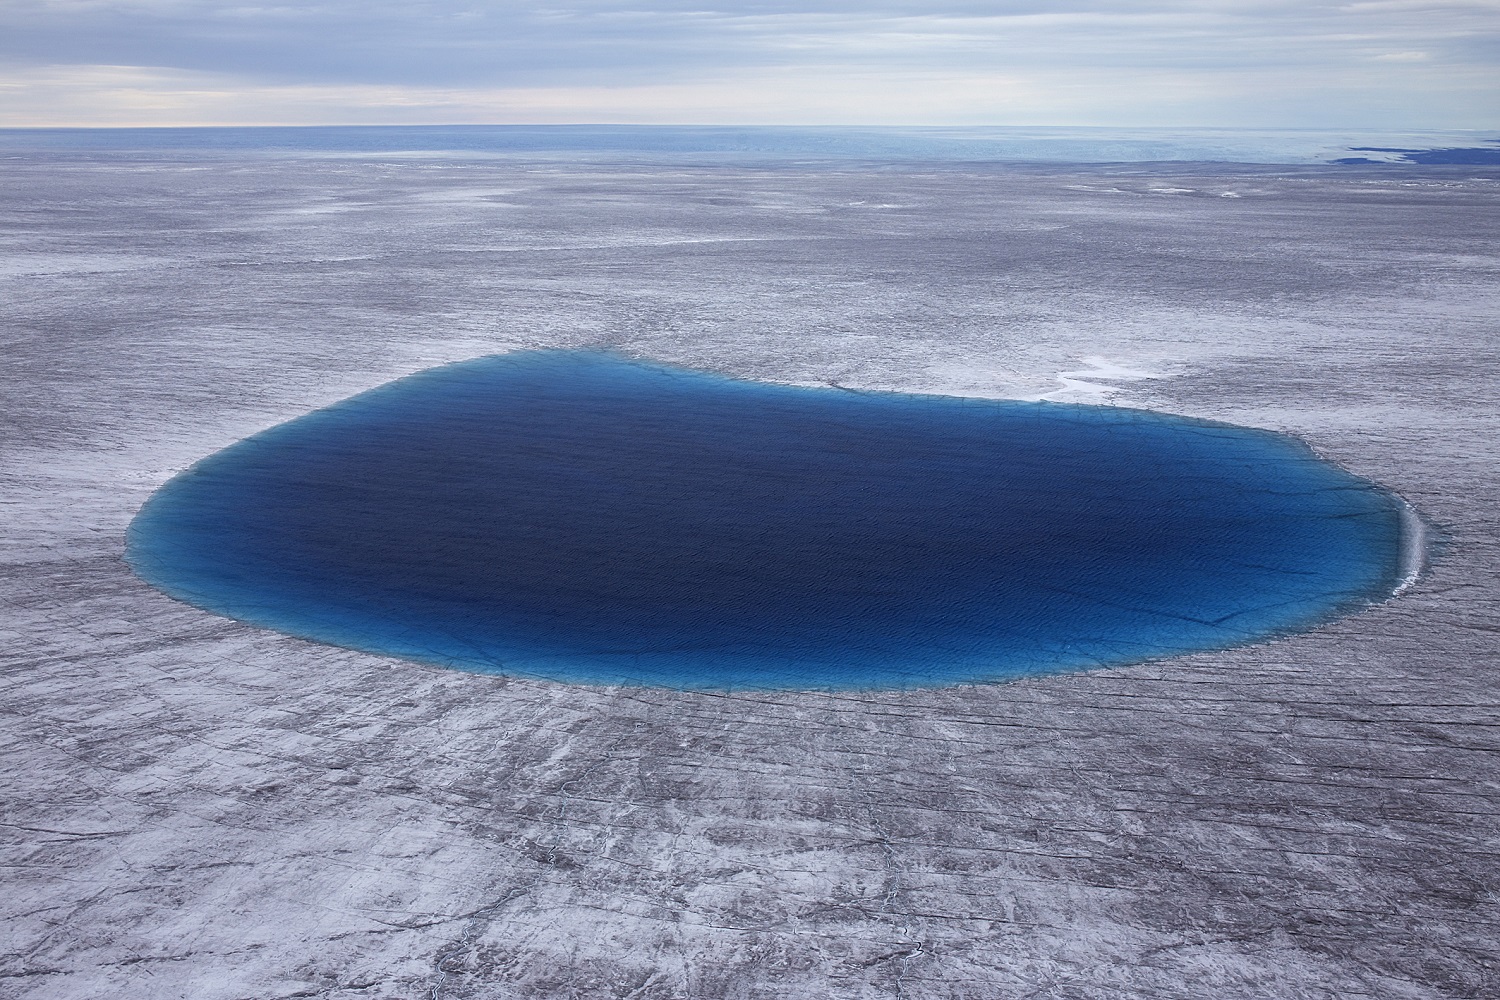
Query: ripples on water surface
[584, 517]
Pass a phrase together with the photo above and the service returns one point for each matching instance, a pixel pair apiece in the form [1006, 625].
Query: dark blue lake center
[583, 517]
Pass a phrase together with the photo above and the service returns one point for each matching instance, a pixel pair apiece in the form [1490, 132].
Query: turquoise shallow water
[583, 517]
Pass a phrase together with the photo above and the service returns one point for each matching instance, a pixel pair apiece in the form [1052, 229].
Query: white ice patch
[1413, 548]
[1089, 385]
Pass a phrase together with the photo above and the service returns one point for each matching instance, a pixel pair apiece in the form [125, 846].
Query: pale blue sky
[1379, 64]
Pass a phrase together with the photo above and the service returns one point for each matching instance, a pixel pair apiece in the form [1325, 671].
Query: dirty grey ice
[196, 808]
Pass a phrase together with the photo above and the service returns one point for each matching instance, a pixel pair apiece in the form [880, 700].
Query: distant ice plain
[203, 809]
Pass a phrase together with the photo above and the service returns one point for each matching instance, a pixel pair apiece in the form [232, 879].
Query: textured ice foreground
[578, 516]
[198, 808]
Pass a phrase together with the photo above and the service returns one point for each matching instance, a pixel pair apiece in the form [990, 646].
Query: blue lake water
[584, 517]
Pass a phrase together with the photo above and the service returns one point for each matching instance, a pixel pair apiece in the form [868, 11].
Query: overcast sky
[1384, 63]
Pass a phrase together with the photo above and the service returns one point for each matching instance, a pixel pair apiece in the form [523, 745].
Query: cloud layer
[1399, 63]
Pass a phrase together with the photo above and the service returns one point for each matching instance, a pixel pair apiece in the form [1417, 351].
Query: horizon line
[758, 125]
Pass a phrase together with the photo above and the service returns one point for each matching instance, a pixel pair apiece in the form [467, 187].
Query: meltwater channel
[589, 518]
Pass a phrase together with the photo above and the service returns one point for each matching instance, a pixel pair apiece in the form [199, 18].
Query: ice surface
[198, 808]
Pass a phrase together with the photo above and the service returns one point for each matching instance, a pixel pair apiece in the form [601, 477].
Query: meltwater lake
[588, 518]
